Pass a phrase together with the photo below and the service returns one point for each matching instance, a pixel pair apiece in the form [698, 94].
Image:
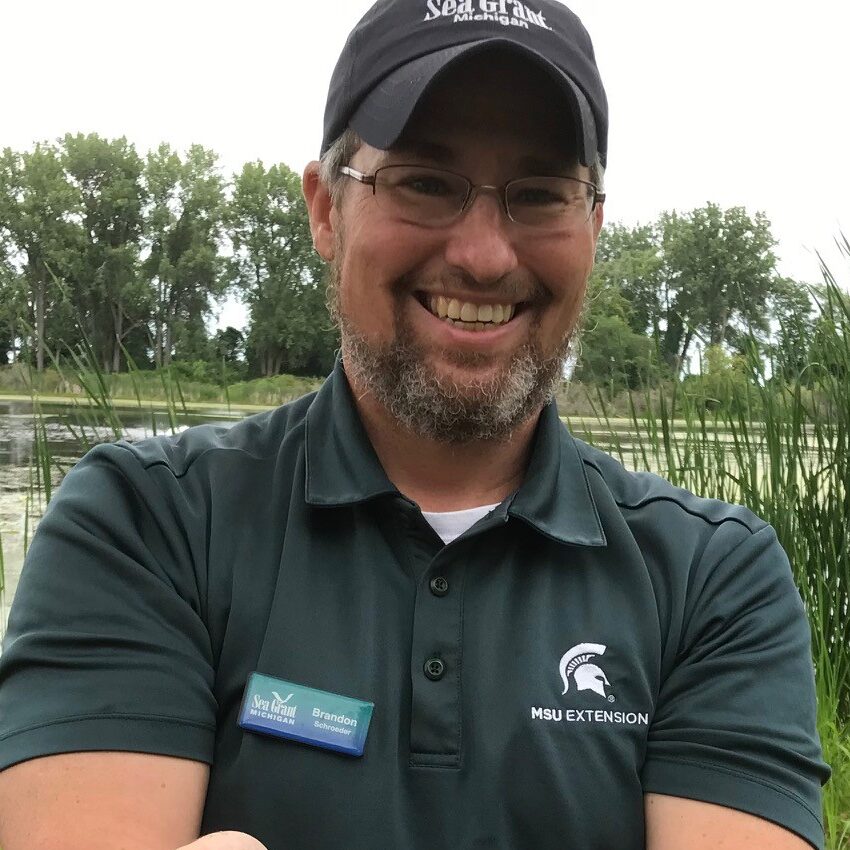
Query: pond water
[67, 430]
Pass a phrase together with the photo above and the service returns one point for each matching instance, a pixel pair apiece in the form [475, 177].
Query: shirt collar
[555, 496]
[343, 469]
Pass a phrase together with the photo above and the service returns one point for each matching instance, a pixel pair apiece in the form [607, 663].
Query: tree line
[129, 255]
[701, 286]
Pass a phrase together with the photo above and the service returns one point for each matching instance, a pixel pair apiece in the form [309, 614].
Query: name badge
[286, 710]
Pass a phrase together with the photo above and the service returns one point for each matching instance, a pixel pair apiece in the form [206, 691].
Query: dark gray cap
[400, 47]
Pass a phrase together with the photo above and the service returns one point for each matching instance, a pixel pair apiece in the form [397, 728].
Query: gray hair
[343, 149]
[338, 154]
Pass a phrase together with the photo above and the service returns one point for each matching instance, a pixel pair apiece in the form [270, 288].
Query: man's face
[493, 119]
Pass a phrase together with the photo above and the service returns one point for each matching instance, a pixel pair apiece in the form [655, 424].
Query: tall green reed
[783, 450]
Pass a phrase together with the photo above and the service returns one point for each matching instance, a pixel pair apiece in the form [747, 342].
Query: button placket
[435, 722]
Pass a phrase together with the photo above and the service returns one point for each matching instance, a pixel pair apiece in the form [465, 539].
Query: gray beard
[440, 409]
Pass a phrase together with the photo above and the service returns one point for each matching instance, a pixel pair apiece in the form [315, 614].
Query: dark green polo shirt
[602, 634]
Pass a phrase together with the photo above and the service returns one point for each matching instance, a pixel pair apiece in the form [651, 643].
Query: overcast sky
[741, 102]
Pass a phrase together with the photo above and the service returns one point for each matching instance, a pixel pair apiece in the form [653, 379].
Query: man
[412, 611]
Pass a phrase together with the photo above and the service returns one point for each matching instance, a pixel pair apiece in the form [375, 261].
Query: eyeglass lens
[432, 196]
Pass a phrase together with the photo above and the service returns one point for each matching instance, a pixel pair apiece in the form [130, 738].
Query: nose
[480, 242]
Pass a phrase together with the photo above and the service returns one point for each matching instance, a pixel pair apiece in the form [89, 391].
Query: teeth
[468, 315]
[439, 306]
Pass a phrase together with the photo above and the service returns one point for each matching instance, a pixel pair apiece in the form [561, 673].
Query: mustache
[516, 286]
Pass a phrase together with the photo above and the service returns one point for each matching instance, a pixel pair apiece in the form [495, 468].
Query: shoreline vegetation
[131, 404]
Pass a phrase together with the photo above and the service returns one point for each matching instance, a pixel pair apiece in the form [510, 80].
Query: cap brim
[382, 116]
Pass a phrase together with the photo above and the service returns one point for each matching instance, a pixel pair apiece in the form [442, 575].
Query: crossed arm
[130, 801]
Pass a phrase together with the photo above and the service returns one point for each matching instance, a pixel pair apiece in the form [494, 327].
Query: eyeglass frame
[473, 188]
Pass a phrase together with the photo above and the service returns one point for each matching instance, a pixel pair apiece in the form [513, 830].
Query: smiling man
[412, 611]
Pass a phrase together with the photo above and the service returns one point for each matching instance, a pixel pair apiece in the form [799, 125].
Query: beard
[434, 406]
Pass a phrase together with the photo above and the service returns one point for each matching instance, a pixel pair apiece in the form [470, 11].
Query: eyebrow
[540, 165]
[423, 149]
[531, 164]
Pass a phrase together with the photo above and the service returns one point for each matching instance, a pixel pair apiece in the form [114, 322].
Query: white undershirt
[449, 525]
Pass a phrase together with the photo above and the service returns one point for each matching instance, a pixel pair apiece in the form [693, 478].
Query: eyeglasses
[432, 197]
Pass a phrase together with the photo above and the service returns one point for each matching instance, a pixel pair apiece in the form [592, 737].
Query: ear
[598, 219]
[320, 209]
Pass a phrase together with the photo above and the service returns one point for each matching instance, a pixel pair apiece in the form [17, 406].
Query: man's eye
[425, 185]
[537, 196]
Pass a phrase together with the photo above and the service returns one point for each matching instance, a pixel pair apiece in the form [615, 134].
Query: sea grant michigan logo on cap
[508, 13]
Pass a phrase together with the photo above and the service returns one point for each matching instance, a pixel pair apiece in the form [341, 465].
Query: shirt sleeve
[106, 647]
[735, 722]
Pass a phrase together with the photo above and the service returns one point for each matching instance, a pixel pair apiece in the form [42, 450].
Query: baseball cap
[400, 47]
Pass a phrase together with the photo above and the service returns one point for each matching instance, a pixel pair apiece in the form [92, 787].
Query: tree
[612, 353]
[108, 295]
[278, 272]
[629, 261]
[719, 271]
[228, 344]
[183, 232]
[623, 306]
[829, 351]
[12, 306]
[39, 218]
[792, 310]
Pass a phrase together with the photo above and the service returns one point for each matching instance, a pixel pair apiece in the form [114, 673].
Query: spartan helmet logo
[588, 677]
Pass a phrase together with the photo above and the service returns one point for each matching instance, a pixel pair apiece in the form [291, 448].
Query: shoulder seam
[649, 500]
[178, 475]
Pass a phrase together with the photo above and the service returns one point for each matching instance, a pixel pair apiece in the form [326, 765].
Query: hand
[225, 841]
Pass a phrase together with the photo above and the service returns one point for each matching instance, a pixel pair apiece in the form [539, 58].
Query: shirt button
[434, 669]
[439, 586]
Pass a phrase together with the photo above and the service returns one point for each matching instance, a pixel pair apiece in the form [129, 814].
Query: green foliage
[40, 232]
[131, 254]
[723, 383]
[630, 269]
[12, 304]
[614, 356]
[193, 382]
[104, 287]
[720, 271]
[782, 448]
[792, 308]
[279, 274]
[705, 276]
[184, 269]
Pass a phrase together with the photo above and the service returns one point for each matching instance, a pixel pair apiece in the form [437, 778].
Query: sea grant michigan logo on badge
[277, 709]
[508, 13]
[578, 666]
